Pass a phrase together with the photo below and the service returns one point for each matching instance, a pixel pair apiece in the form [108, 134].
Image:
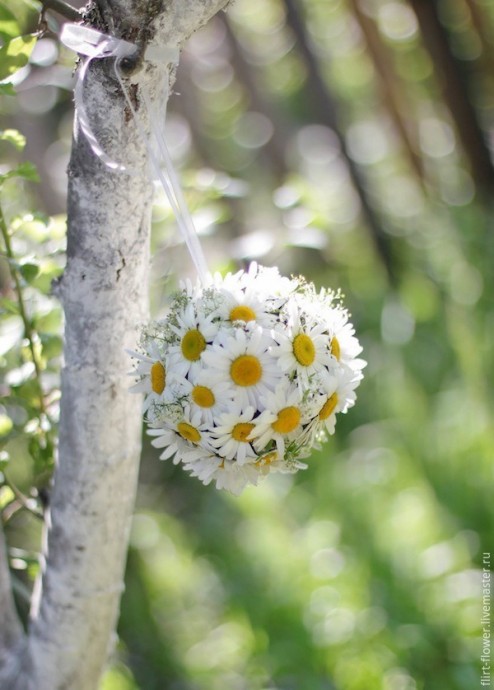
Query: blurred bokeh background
[351, 141]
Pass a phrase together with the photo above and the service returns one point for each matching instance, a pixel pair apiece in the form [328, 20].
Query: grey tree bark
[104, 296]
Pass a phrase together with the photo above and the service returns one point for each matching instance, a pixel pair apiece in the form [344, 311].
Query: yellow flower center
[158, 378]
[304, 350]
[246, 370]
[267, 459]
[203, 396]
[329, 406]
[242, 313]
[335, 348]
[188, 432]
[193, 344]
[241, 431]
[288, 419]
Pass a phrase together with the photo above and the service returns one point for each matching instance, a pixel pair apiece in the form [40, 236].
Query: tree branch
[23, 501]
[62, 8]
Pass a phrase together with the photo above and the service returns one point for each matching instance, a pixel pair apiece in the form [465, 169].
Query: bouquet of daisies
[246, 374]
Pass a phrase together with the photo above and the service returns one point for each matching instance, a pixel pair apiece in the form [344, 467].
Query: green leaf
[31, 4]
[25, 170]
[15, 54]
[51, 345]
[27, 391]
[5, 425]
[13, 137]
[9, 28]
[32, 225]
[29, 271]
[50, 321]
[9, 305]
[42, 454]
[7, 90]
[6, 496]
[28, 171]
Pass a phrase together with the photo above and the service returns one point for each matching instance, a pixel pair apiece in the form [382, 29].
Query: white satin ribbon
[94, 44]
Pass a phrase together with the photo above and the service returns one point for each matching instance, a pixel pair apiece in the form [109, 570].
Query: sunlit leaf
[28, 171]
[58, 227]
[15, 54]
[50, 321]
[9, 28]
[33, 568]
[51, 345]
[13, 137]
[31, 4]
[25, 170]
[5, 424]
[34, 226]
[118, 678]
[6, 496]
[50, 267]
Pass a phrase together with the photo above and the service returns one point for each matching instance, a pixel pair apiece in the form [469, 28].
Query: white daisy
[241, 358]
[338, 396]
[343, 344]
[229, 282]
[233, 434]
[208, 397]
[237, 292]
[227, 474]
[282, 422]
[188, 290]
[186, 438]
[269, 282]
[194, 331]
[204, 468]
[301, 346]
[152, 372]
[245, 306]
[234, 477]
[266, 283]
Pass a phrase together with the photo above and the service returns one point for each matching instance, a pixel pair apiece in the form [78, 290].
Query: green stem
[28, 329]
[23, 500]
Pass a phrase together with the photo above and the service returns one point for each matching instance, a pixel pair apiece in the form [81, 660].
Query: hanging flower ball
[246, 375]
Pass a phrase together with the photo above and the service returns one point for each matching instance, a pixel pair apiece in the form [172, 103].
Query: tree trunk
[104, 295]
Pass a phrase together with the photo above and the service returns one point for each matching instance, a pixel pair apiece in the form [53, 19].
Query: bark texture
[104, 296]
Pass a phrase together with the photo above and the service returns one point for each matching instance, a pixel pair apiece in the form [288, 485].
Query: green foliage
[30, 351]
[15, 54]
[9, 27]
[13, 137]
